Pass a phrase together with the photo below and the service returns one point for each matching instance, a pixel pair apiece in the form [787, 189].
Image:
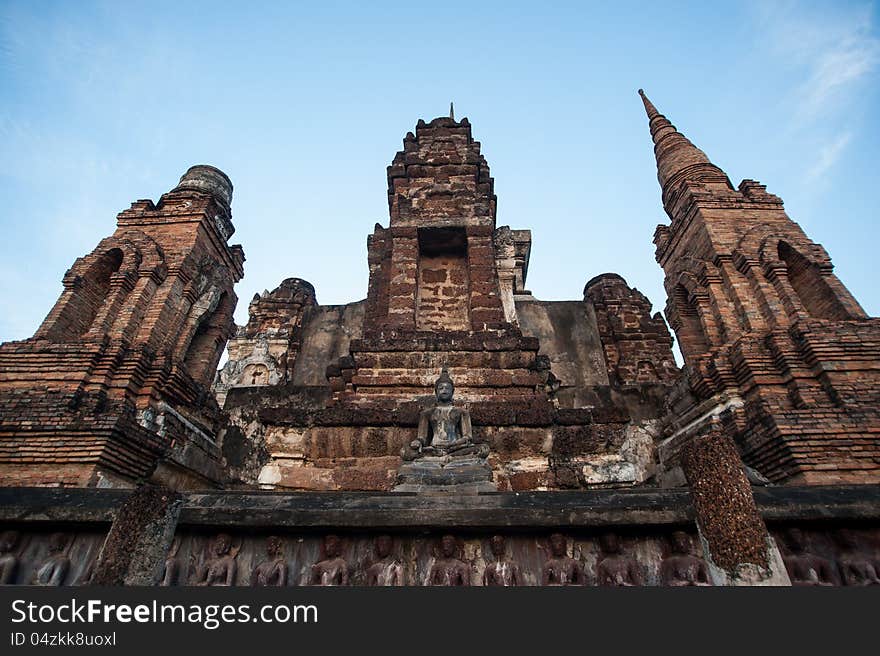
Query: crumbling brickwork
[638, 347]
[434, 296]
[117, 378]
[260, 351]
[442, 204]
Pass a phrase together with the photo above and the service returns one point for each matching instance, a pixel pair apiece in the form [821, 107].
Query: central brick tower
[777, 351]
[435, 296]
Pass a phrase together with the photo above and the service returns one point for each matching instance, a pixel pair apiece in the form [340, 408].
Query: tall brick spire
[764, 323]
[677, 158]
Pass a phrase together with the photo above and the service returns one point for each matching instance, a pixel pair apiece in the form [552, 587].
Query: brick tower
[777, 351]
[114, 386]
[435, 296]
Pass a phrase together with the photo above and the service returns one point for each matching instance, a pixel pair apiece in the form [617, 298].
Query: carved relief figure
[8, 559]
[171, 573]
[444, 429]
[221, 569]
[333, 570]
[387, 570]
[561, 569]
[803, 567]
[681, 567]
[53, 570]
[502, 571]
[273, 571]
[856, 566]
[614, 568]
[447, 569]
[85, 578]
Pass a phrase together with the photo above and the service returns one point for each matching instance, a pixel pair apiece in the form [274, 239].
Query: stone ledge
[507, 510]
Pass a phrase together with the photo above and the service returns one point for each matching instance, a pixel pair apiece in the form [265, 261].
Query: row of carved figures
[680, 567]
[614, 568]
[52, 570]
[853, 566]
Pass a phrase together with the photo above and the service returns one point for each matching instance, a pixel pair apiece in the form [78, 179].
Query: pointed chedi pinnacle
[451, 111]
[678, 159]
[649, 106]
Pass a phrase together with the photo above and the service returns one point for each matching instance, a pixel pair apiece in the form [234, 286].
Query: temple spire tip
[451, 111]
[649, 106]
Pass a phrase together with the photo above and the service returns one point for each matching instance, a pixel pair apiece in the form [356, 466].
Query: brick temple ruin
[451, 428]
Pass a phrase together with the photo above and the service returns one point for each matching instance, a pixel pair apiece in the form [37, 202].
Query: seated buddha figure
[444, 428]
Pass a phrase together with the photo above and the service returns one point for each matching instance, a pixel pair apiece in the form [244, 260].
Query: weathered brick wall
[637, 344]
[285, 438]
[404, 365]
[440, 177]
[443, 293]
[263, 352]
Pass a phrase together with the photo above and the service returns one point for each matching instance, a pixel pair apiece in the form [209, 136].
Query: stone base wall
[827, 536]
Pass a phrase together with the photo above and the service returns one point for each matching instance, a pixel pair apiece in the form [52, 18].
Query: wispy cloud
[837, 69]
[828, 156]
[831, 54]
[832, 51]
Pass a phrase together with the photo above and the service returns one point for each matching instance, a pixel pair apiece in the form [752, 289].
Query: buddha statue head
[383, 544]
[448, 546]
[274, 546]
[8, 541]
[444, 387]
[332, 546]
[222, 544]
[610, 544]
[681, 543]
[558, 545]
[498, 546]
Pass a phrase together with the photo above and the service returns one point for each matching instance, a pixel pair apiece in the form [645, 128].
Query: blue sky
[304, 106]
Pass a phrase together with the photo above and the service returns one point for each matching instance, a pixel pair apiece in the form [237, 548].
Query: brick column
[135, 549]
[736, 544]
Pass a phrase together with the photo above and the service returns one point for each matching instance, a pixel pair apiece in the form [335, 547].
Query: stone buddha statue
[561, 569]
[444, 429]
[332, 570]
[53, 569]
[387, 570]
[219, 569]
[615, 568]
[502, 571]
[447, 569]
[857, 566]
[681, 567]
[8, 560]
[273, 571]
[805, 568]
